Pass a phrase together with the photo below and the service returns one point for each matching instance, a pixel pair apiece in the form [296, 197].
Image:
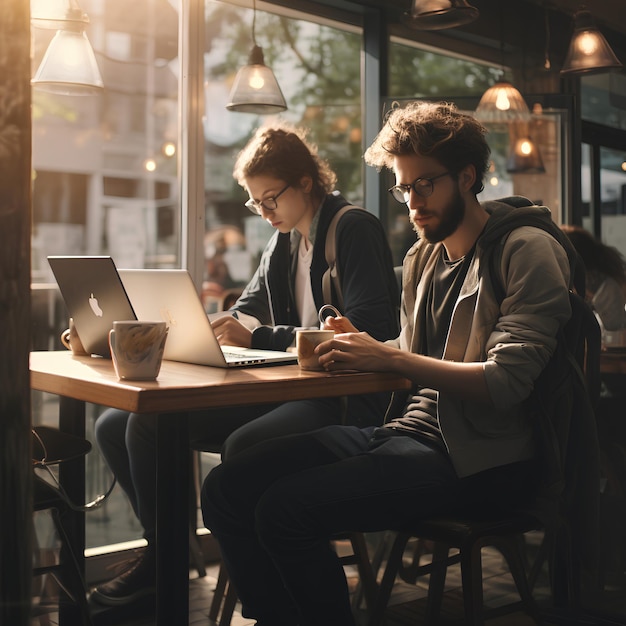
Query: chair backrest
[50, 446]
[561, 408]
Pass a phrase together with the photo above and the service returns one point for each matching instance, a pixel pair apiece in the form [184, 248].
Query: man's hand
[231, 332]
[356, 351]
[339, 325]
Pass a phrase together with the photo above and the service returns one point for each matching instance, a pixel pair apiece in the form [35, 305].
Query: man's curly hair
[436, 130]
[283, 151]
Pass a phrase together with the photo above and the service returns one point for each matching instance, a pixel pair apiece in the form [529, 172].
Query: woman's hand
[356, 351]
[231, 332]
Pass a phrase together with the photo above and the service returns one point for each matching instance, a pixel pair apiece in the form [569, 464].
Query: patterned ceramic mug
[306, 341]
[137, 348]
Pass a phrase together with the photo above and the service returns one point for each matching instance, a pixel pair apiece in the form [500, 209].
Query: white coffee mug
[137, 348]
[306, 342]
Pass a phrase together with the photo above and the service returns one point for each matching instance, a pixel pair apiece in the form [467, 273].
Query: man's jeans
[274, 507]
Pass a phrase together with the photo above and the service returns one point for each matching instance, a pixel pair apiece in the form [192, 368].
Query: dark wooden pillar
[15, 212]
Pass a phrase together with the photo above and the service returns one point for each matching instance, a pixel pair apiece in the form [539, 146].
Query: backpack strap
[332, 273]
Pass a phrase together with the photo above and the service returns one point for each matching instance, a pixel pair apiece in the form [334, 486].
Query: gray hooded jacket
[514, 339]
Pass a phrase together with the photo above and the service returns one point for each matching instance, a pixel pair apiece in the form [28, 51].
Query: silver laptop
[94, 297]
[171, 295]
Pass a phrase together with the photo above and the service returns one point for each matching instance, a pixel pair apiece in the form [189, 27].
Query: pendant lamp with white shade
[69, 66]
[255, 89]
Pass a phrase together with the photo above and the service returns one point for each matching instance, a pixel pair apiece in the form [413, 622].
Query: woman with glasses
[293, 189]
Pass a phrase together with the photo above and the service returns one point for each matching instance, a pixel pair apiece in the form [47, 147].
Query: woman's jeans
[275, 506]
[128, 440]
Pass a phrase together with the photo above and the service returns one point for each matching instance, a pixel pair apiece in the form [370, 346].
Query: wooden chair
[566, 514]
[468, 537]
[52, 447]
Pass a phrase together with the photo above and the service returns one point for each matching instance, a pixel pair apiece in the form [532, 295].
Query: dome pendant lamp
[525, 158]
[588, 52]
[502, 103]
[438, 14]
[255, 89]
[69, 66]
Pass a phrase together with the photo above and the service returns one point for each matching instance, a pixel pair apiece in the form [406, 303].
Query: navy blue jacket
[369, 286]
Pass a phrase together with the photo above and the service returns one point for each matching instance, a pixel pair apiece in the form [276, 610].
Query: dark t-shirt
[419, 417]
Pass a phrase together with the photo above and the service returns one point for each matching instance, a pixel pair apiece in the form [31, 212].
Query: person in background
[459, 438]
[293, 189]
[606, 277]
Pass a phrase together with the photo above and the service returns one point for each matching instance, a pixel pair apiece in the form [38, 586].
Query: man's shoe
[138, 581]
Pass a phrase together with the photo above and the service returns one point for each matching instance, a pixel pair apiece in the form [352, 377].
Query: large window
[609, 167]
[422, 72]
[603, 162]
[105, 166]
[603, 99]
[106, 181]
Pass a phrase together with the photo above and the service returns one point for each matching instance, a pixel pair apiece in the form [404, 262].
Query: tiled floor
[405, 608]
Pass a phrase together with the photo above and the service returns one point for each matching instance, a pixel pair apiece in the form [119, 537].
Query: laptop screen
[94, 297]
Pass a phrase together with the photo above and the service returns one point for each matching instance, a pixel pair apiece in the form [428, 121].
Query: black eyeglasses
[269, 204]
[423, 187]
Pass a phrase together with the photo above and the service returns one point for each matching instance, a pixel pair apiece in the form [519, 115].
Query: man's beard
[449, 221]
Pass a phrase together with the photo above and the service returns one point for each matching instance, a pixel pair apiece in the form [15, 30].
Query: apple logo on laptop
[95, 307]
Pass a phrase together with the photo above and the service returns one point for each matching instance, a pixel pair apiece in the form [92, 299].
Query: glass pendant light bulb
[502, 103]
[525, 147]
[525, 158]
[256, 79]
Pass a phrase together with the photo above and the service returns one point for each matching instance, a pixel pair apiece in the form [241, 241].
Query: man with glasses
[460, 438]
[293, 189]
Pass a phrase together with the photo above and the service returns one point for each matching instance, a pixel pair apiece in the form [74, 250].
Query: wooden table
[180, 388]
